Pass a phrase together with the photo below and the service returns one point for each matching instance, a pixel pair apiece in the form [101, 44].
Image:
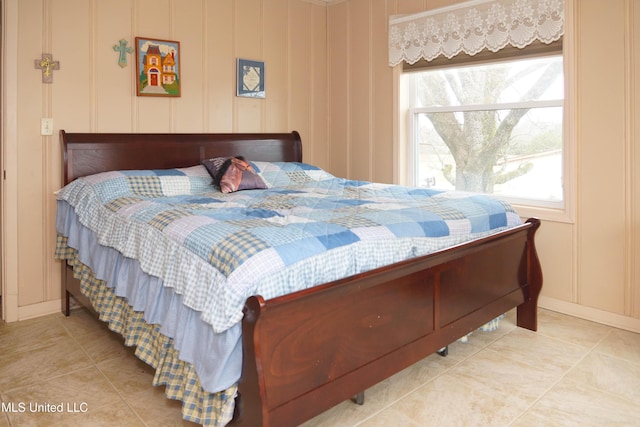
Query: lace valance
[472, 26]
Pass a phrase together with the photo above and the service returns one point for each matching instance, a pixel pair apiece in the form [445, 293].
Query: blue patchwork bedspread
[307, 228]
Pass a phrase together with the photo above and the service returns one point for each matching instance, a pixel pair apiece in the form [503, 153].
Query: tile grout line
[431, 379]
[614, 356]
[6, 416]
[53, 377]
[594, 350]
[50, 378]
[564, 374]
[93, 362]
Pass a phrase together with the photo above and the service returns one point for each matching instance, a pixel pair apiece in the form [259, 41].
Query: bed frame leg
[65, 293]
[444, 351]
[65, 304]
[527, 314]
[359, 398]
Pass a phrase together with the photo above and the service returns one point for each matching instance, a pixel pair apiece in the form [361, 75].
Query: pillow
[233, 174]
[283, 174]
[150, 182]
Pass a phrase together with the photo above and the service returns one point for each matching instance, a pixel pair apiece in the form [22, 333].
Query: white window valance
[472, 26]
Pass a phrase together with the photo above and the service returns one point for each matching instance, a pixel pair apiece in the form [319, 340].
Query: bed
[300, 352]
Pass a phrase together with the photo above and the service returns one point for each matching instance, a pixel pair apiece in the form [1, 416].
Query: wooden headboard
[89, 153]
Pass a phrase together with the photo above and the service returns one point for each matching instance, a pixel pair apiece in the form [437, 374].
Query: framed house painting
[157, 67]
[250, 80]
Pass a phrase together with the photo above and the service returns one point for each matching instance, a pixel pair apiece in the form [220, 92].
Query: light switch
[46, 126]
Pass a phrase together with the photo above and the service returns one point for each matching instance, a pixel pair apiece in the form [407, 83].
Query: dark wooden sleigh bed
[308, 351]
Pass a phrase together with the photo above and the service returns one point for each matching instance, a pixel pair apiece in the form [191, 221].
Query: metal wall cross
[47, 65]
[122, 49]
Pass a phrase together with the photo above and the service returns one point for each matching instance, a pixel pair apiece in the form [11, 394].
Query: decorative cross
[47, 65]
[122, 49]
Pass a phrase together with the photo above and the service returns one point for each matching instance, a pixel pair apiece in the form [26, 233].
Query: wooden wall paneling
[221, 65]
[360, 87]
[91, 93]
[191, 108]
[114, 86]
[277, 64]
[435, 4]
[72, 97]
[555, 246]
[317, 149]
[154, 20]
[11, 64]
[634, 33]
[300, 85]
[339, 88]
[382, 90]
[601, 204]
[249, 36]
[73, 91]
[415, 6]
[30, 152]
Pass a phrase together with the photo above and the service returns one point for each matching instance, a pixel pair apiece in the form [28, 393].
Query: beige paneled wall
[590, 262]
[601, 155]
[605, 231]
[113, 106]
[634, 167]
[340, 98]
[326, 76]
[361, 85]
[91, 93]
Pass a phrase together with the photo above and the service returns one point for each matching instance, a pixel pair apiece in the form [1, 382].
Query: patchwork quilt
[308, 227]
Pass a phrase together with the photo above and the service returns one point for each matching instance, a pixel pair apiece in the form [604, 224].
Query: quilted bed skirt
[155, 349]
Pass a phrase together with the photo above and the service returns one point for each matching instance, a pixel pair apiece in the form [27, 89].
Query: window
[491, 128]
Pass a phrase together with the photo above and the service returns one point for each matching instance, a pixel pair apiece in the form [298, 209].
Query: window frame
[565, 214]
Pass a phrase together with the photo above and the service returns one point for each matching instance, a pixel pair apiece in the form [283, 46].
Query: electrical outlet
[46, 126]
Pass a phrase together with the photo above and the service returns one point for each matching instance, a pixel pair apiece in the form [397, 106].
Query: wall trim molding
[9, 185]
[40, 309]
[589, 313]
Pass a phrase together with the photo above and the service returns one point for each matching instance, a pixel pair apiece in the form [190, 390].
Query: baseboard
[589, 313]
[10, 307]
[40, 309]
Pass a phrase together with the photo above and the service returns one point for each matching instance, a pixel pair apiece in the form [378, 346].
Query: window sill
[544, 214]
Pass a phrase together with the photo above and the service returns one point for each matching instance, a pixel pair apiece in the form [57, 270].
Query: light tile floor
[570, 373]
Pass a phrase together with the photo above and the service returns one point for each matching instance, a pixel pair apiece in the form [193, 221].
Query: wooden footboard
[308, 351]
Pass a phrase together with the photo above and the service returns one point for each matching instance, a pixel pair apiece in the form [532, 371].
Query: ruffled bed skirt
[179, 378]
[152, 347]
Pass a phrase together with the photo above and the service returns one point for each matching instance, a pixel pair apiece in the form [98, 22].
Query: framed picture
[250, 79]
[157, 67]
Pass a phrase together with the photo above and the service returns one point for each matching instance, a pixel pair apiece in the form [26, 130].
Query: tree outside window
[492, 128]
